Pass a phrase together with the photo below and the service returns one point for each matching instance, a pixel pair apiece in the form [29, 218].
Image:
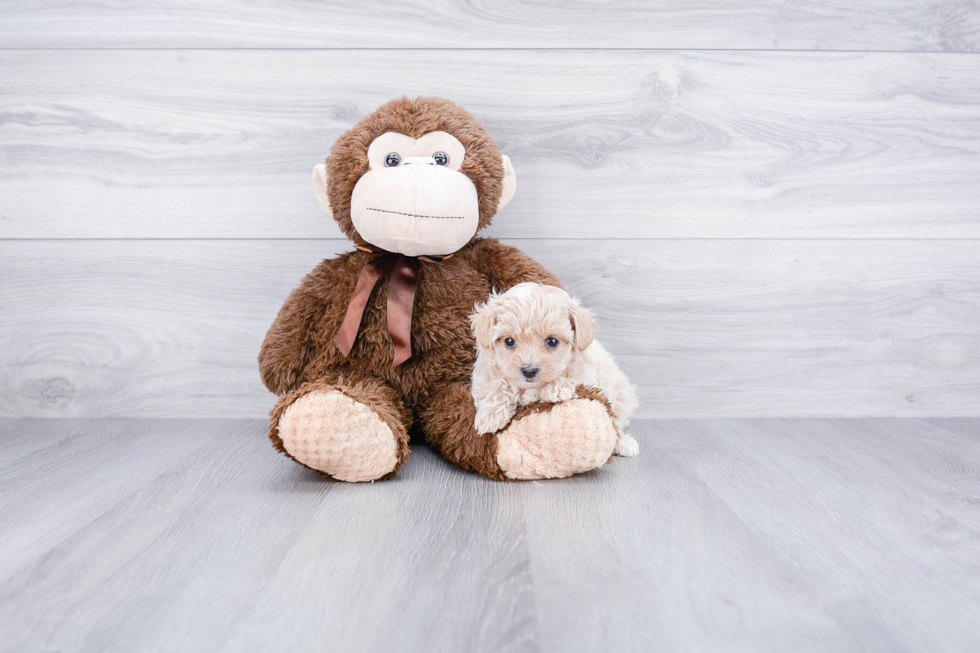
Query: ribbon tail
[401, 301]
[366, 281]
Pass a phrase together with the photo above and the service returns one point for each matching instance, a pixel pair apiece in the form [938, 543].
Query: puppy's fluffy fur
[536, 343]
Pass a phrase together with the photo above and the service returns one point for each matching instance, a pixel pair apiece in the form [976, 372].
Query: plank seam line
[550, 49]
[505, 238]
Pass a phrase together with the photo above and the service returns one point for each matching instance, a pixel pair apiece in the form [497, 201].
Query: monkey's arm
[289, 344]
[508, 266]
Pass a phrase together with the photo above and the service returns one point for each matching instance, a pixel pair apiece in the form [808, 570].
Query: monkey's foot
[568, 438]
[341, 437]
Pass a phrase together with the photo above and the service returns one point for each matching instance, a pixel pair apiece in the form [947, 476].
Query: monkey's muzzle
[417, 208]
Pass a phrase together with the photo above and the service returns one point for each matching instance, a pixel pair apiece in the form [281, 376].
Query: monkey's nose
[529, 372]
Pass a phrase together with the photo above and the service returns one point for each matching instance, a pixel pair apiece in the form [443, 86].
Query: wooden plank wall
[774, 210]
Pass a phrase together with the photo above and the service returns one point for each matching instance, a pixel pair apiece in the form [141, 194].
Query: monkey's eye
[441, 159]
[551, 342]
[392, 160]
[509, 342]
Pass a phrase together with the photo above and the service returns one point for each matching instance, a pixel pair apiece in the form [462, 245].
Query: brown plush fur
[299, 354]
[431, 389]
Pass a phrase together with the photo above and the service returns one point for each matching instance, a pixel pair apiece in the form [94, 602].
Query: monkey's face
[418, 177]
[414, 200]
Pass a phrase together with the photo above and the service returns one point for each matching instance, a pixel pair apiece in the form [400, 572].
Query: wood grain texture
[43, 433]
[960, 425]
[765, 535]
[704, 327]
[712, 24]
[50, 491]
[895, 494]
[220, 144]
[237, 548]
[730, 535]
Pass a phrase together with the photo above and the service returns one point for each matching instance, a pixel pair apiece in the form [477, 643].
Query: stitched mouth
[417, 215]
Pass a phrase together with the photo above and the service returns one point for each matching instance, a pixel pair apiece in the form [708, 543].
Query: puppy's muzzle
[529, 372]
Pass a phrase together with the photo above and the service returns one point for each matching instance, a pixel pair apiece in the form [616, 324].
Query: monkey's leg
[542, 441]
[448, 422]
[349, 430]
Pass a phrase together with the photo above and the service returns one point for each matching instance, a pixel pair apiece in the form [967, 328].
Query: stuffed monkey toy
[376, 342]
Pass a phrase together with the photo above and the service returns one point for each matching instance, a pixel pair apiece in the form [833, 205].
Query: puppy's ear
[584, 324]
[482, 323]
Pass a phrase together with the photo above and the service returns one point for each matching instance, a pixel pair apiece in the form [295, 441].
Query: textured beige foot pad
[573, 437]
[331, 432]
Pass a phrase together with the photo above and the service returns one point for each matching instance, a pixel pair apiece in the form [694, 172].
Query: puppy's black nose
[529, 372]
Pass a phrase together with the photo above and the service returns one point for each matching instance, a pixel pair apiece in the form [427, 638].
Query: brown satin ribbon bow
[401, 298]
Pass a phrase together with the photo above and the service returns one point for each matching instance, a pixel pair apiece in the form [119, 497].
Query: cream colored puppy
[536, 343]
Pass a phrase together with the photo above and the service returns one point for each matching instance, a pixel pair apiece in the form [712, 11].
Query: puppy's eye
[551, 342]
[441, 159]
[392, 160]
[509, 342]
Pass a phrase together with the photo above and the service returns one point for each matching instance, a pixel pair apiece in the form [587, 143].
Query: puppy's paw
[627, 446]
[566, 389]
[531, 395]
[492, 418]
[562, 389]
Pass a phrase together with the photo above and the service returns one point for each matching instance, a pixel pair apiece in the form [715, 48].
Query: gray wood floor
[727, 535]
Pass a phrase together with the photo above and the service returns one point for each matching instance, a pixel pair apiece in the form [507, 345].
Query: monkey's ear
[482, 323]
[509, 184]
[320, 187]
[584, 324]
